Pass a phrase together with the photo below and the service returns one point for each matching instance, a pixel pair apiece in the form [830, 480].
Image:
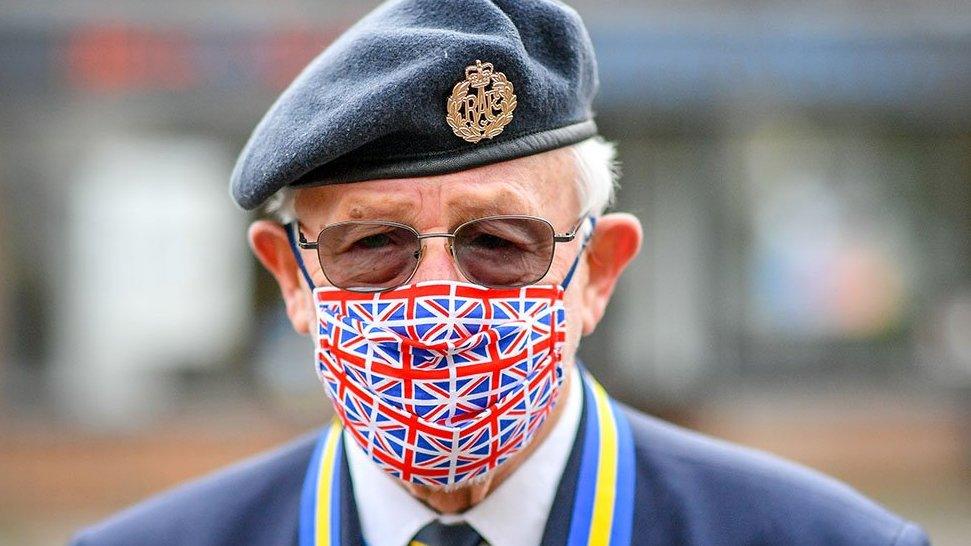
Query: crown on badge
[479, 74]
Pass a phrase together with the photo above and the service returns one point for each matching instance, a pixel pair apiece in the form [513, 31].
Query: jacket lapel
[351, 534]
[558, 522]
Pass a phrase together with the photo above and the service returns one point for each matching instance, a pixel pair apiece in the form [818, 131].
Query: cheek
[311, 309]
[573, 304]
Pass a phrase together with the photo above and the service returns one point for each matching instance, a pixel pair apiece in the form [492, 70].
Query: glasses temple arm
[567, 237]
[293, 231]
[583, 246]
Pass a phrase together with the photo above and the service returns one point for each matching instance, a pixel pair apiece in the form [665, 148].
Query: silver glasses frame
[304, 244]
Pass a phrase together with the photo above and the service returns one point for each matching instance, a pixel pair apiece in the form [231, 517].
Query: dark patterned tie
[437, 533]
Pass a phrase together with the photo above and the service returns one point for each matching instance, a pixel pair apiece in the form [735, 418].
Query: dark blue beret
[425, 87]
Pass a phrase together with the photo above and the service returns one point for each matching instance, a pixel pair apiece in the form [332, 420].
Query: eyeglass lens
[497, 252]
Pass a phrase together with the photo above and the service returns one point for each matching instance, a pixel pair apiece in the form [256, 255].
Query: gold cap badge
[487, 110]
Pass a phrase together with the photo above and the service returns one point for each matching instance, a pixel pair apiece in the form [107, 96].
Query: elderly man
[442, 188]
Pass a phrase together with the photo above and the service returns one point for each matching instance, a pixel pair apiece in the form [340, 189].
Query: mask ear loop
[291, 230]
[592, 224]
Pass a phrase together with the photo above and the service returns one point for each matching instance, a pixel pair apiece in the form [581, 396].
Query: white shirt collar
[514, 514]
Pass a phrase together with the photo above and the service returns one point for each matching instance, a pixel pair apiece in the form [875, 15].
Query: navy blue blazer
[690, 490]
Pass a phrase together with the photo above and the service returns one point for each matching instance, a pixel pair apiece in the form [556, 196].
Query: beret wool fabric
[373, 104]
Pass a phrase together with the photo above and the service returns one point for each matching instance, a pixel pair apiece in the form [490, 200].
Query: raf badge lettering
[486, 109]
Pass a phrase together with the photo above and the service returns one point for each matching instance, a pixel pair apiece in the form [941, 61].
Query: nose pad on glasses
[433, 266]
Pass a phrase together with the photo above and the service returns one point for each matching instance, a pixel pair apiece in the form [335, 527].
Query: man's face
[541, 185]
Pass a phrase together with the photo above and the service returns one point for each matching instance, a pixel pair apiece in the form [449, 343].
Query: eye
[487, 241]
[378, 240]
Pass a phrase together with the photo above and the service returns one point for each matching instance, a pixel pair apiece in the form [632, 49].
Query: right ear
[269, 243]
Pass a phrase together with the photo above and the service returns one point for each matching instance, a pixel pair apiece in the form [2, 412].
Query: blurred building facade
[802, 170]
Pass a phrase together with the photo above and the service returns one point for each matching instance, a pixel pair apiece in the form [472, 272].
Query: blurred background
[802, 170]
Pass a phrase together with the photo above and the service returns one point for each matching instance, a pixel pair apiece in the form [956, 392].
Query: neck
[453, 501]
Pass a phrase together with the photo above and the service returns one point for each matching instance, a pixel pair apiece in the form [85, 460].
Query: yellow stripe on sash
[605, 495]
[325, 484]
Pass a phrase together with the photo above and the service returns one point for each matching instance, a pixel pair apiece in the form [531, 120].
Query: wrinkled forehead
[541, 185]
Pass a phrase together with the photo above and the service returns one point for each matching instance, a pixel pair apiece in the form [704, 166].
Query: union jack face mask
[441, 382]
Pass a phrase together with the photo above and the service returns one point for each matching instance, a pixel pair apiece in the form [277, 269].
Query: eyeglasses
[495, 251]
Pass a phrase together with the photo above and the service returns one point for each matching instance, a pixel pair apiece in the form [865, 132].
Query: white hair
[596, 180]
[598, 173]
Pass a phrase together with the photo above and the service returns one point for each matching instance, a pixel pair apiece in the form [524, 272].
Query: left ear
[615, 242]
